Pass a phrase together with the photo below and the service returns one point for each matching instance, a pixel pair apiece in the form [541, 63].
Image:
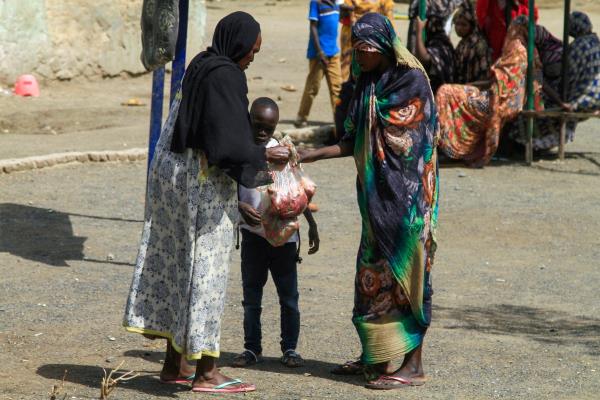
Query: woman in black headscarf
[436, 51]
[205, 149]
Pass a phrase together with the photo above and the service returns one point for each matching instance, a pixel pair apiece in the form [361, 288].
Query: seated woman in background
[584, 64]
[472, 57]
[583, 84]
[436, 53]
[471, 119]
[550, 50]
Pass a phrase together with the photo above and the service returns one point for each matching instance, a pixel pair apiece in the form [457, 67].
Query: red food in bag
[285, 199]
[278, 231]
[289, 197]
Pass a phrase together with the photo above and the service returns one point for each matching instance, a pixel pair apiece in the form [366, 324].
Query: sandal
[349, 368]
[234, 386]
[291, 359]
[387, 382]
[246, 359]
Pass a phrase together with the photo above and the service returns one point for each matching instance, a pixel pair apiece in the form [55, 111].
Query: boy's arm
[314, 34]
[313, 233]
[250, 215]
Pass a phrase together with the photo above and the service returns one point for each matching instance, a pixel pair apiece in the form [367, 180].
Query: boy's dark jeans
[258, 258]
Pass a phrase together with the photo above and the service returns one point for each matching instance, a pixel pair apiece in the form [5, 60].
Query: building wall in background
[66, 39]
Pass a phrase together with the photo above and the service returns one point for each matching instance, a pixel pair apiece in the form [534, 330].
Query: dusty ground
[516, 278]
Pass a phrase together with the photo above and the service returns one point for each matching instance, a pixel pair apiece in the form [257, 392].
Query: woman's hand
[278, 154]
[313, 238]
[304, 155]
[251, 216]
[420, 24]
[566, 106]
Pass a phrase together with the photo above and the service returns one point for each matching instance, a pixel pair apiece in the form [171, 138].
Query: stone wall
[66, 39]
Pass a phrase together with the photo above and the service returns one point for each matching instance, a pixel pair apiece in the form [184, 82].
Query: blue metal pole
[158, 88]
[180, 49]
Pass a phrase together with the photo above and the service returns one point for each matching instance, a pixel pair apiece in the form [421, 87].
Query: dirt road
[516, 311]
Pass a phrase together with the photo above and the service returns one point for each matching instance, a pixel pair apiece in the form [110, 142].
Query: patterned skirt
[382, 314]
[464, 113]
[180, 278]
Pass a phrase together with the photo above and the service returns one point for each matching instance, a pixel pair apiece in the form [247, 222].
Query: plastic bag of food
[288, 197]
[277, 230]
[285, 199]
[306, 183]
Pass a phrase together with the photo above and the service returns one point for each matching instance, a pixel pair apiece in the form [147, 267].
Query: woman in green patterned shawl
[391, 132]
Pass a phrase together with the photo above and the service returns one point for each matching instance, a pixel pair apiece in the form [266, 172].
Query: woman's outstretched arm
[342, 149]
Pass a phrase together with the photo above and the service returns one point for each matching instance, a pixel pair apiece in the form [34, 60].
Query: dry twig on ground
[57, 390]
[109, 383]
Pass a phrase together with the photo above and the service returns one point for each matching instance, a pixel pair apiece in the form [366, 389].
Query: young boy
[323, 55]
[259, 257]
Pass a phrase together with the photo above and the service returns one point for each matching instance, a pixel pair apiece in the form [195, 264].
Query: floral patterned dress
[179, 282]
[392, 124]
[471, 119]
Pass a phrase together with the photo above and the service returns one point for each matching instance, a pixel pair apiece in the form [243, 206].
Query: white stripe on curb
[134, 154]
[50, 160]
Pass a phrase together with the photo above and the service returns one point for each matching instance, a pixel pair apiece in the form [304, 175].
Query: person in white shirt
[259, 257]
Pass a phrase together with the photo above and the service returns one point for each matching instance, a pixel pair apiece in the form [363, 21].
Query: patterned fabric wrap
[471, 120]
[439, 47]
[160, 19]
[579, 24]
[392, 122]
[180, 277]
[472, 57]
[549, 46]
[584, 72]
[439, 8]
[584, 89]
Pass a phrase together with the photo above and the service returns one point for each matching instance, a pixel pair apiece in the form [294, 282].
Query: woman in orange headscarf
[352, 10]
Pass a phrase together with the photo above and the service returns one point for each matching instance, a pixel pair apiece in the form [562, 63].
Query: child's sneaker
[246, 359]
[291, 359]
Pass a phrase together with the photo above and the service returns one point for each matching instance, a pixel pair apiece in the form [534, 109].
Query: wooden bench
[555, 113]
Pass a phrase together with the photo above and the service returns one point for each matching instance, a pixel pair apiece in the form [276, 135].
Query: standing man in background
[323, 55]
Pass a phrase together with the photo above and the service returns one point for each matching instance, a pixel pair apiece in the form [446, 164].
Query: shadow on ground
[547, 326]
[316, 368]
[44, 235]
[39, 234]
[91, 376]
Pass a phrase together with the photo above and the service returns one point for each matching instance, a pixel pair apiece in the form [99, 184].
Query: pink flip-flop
[226, 387]
[387, 382]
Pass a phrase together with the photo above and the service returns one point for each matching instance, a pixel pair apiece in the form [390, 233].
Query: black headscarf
[441, 51]
[213, 114]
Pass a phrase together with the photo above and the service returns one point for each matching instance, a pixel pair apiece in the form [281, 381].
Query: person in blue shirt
[323, 54]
